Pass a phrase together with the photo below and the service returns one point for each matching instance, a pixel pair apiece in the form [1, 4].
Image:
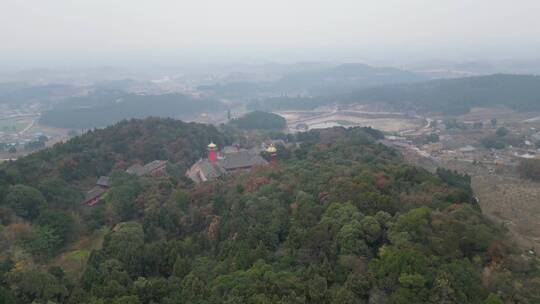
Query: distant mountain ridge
[448, 96]
[319, 81]
[456, 96]
[347, 77]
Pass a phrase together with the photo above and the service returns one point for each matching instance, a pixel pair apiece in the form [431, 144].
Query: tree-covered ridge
[99, 151]
[448, 96]
[260, 121]
[316, 81]
[456, 96]
[340, 219]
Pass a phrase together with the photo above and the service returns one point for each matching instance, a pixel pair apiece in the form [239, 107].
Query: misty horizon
[120, 33]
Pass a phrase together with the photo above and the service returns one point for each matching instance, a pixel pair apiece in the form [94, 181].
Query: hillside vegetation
[339, 219]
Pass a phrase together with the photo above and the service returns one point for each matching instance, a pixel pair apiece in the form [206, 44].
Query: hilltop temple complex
[219, 163]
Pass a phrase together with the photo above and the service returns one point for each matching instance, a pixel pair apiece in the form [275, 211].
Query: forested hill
[456, 96]
[447, 96]
[260, 121]
[99, 151]
[339, 219]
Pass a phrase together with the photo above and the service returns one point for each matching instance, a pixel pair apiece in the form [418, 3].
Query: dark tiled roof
[136, 169]
[103, 181]
[242, 159]
[140, 170]
[93, 193]
[211, 170]
[156, 164]
[205, 170]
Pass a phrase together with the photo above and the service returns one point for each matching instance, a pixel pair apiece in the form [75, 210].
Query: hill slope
[340, 219]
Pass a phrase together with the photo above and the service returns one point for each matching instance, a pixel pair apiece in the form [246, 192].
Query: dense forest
[448, 96]
[338, 219]
[106, 107]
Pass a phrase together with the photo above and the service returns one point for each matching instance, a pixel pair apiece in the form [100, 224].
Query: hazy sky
[106, 31]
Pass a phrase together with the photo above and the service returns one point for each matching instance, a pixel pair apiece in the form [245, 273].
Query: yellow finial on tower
[271, 149]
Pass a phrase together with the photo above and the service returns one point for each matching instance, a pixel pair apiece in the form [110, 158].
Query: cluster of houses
[155, 168]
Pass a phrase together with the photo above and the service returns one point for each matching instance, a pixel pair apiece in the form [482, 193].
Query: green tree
[62, 223]
[41, 242]
[123, 194]
[371, 229]
[25, 201]
[126, 244]
[493, 299]
[32, 285]
[501, 132]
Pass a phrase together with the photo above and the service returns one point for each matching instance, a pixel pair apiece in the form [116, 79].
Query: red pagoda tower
[212, 157]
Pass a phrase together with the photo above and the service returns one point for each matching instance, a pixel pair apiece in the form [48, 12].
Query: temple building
[155, 168]
[94, 195]
[220, 163]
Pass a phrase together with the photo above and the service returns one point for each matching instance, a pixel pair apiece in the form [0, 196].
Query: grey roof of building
[211, 170]
[230, 149]
[140, 170]
[93, 193]
[103, 181]
[156, 164]
[136, 169]
[242, 159]
[204, 170]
